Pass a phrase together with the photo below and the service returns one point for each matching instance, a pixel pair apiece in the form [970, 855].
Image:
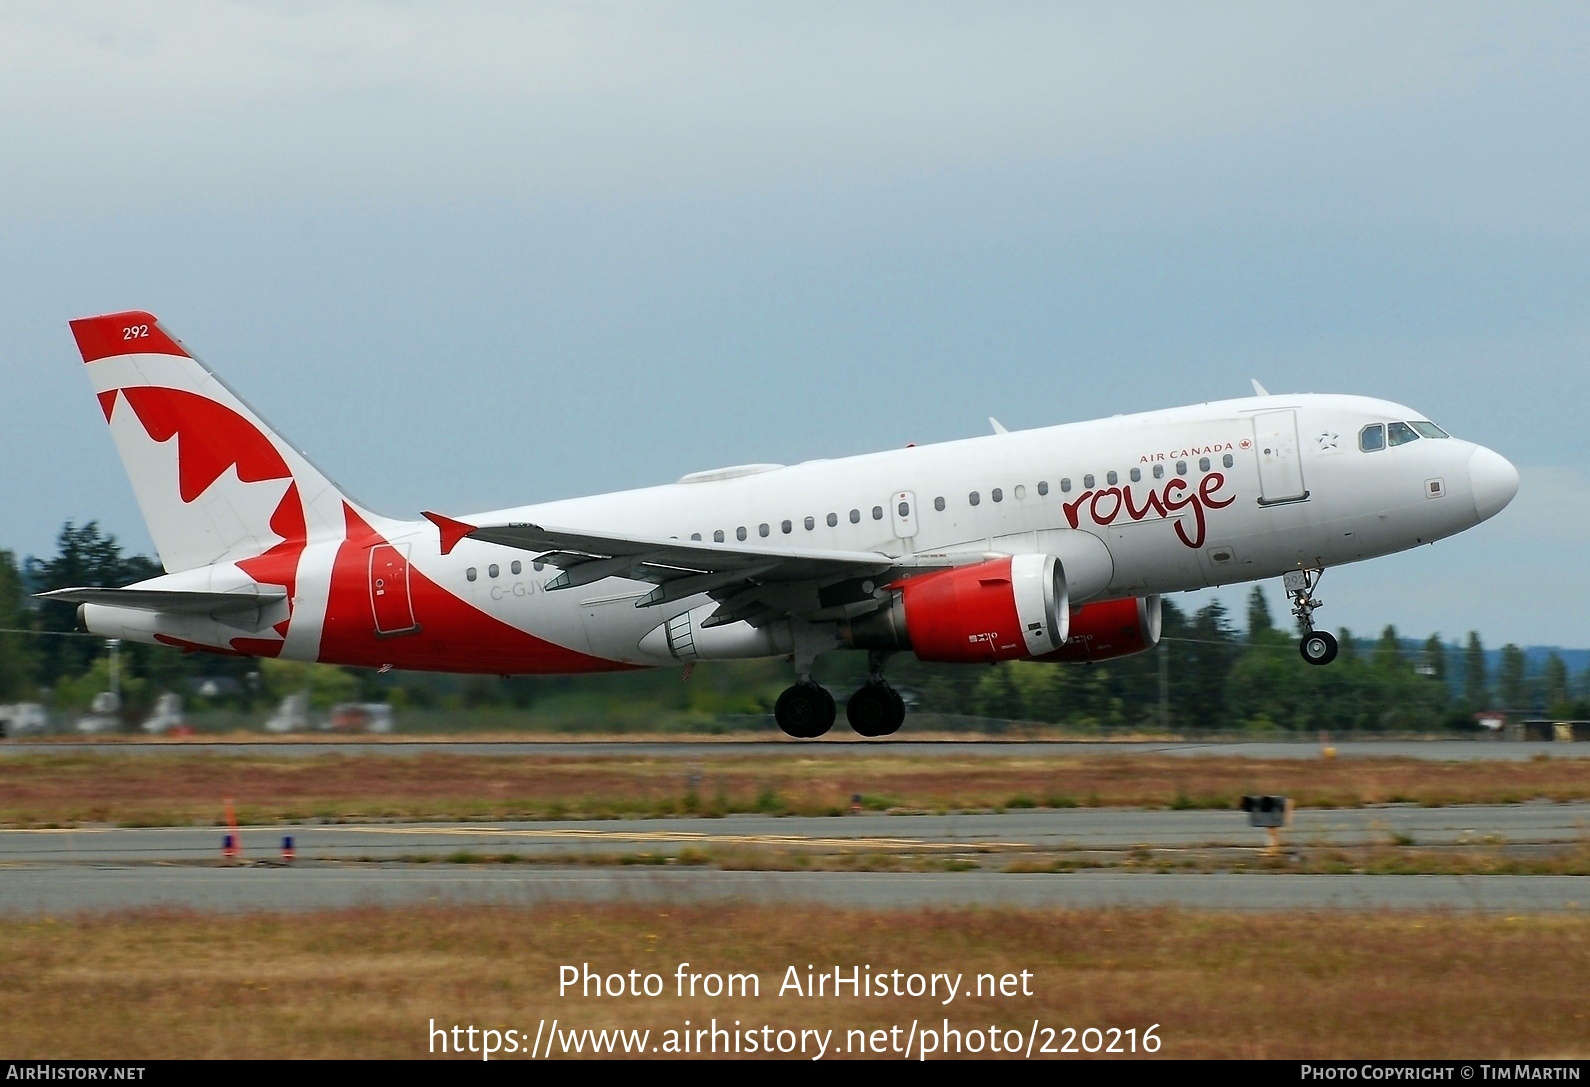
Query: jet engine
[1104, 629]
[1012, 608]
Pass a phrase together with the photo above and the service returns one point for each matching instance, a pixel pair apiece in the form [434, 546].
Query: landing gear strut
[1318, 646]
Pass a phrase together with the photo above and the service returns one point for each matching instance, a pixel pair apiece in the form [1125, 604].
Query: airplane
[1053, 544]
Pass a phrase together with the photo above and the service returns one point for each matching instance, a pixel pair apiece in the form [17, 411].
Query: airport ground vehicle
[1051, 544]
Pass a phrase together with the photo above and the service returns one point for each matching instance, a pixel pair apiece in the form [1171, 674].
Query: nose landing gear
[1318, 647]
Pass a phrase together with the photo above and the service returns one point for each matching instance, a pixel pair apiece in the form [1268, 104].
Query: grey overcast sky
[474, 255]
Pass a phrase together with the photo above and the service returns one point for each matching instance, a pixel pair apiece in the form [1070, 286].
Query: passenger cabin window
[1137, 475]
[739, 533]
[696, 536]
[1043, 487]
[1203, 464]
[1400, 434]
[492, 570]
[833, 519]
[1111, 478]
[974, 498]
[938, 503]
[762, 529]
[1159, 471]
[997, 495]
[717, 537]
[1020, 492]
[1228, 460]
[905, 509]
[1065, 486]
[877, 513]
[787, 527]
[811, 523]
[855, 517]
[1429, 430]
[515, 567]
[1372, 437]
[469, 574]
[1181, 467]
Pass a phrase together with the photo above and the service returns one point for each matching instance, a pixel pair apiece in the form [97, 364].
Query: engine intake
[1012, 608]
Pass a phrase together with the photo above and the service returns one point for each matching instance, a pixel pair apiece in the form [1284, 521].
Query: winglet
[999, 428]
[452, 531]
[1258, 390]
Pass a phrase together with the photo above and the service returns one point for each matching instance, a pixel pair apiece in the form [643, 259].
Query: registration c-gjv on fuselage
[1051, 545]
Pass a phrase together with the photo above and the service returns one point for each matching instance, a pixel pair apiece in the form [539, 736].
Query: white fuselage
[1061, 490]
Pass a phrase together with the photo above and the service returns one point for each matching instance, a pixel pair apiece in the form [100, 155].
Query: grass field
[368, 983]
[71, 789]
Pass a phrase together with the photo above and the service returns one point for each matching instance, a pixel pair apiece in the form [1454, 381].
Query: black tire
[805, 711]
[1318, 647]
[876, 710]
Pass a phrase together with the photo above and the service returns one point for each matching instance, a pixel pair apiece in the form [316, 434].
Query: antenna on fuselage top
[1258, 390]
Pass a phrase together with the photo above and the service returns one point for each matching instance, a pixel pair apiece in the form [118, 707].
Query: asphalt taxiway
[64, 871]
[1045, 829]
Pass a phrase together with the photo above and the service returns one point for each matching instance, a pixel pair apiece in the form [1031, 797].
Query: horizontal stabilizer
[170, 601]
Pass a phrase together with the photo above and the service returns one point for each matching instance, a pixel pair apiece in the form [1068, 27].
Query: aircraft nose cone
[1494, 482]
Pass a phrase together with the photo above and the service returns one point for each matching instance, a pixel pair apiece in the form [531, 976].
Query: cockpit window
[1372, 437]
[1429, 430]
[1400, 434]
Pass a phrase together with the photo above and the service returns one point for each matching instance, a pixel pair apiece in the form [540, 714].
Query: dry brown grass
[366, 983]
[56, 790]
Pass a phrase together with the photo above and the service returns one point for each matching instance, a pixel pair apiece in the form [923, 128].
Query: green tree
[17, 660]
[85, 556]
[1510, 678]
[1433, 661]
[1476, 677]
[1259, 619]
[1388, 651]
[1554, 687]
[1199, 667]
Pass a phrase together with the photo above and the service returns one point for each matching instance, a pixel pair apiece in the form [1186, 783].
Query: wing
[754, 584]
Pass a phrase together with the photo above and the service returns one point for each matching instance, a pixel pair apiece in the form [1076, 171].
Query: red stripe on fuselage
[453, 635]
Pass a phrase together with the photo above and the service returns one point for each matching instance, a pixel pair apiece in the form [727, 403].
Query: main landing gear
[1318, 647]
[806, 710]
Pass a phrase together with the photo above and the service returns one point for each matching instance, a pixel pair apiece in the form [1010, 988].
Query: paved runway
[1435, 750]
[62, 871]
[65, 890]
[1069, 829]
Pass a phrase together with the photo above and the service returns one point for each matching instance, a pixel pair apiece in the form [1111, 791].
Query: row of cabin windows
[492, 571]
[1377, 436]
[1019, 491]
[786, 527]
[1089, 481]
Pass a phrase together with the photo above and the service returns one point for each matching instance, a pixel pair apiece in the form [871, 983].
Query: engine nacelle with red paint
[1105, 629]
[1012, 608]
